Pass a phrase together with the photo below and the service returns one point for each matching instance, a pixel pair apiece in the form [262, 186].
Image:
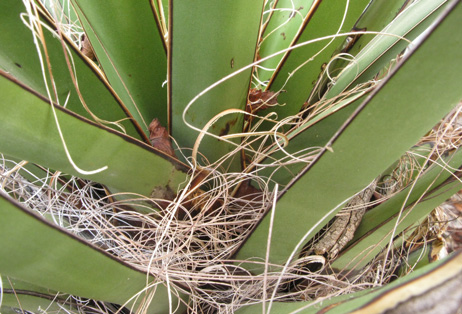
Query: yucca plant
[228, 156]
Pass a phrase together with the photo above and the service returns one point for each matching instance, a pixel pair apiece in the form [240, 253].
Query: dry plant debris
[194, 248]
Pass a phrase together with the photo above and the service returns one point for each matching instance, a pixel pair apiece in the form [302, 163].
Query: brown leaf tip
[260, 100]
[158, 135]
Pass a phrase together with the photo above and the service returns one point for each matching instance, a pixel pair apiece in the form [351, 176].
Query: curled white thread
[34, 23]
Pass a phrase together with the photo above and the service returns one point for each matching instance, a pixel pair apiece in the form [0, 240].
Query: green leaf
[316, 131]
[131, 51]
[29, 302]
[286, 19]
[17, 294]
[430, 288]
[161, 7]
[63, 11]
[29, 132]
[18, 57]
[208, 41]
[47, 256]
[395, 215]
[377, 15]
[298, 83]
[356, 157]
[430, 179]
[433, 287]
[372, 58]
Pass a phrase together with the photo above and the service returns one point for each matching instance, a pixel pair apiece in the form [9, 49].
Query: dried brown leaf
[158, 135]
[260, 100]
[87, 49]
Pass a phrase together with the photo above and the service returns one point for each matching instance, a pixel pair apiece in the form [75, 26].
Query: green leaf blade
[398, 296]
[299, 82]
[380, 50]
[362, 155]
[65, 263]
[210, 40]
[381, 224]
[131, 50]
[18, 56]
[285, 21]
[29, 132]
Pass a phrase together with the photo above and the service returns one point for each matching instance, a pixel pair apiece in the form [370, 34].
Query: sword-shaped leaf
[398, 213]
[286, 19]
[433, 287]
[29, 132]
[209, 40]
[356, 156]
[383, 48]
[130, 48]
[325, 19]
[47, 256]
[19, 57]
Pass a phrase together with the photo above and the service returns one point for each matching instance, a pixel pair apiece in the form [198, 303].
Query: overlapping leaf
[356, 157]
